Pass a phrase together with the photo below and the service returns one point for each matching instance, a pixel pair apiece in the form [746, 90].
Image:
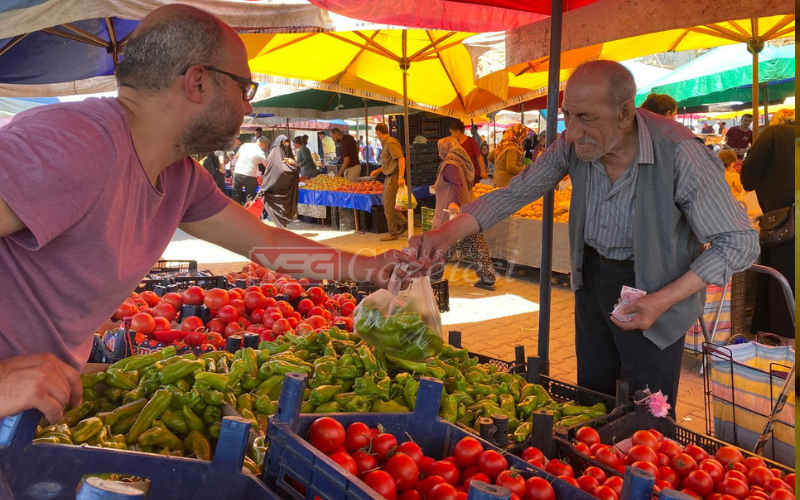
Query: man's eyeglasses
[248, 93]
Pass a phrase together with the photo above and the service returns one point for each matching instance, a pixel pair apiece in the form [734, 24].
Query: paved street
[492, 323]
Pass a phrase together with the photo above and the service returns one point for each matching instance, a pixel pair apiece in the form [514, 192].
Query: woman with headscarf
[453, 190]
[307, 166]
[279, 189]
[508, 157]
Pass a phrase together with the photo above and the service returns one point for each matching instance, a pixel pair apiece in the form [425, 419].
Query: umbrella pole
[548, 202]
[754, 46]
[404, 65]
[288, 133]
[367, 152]
[765, 97]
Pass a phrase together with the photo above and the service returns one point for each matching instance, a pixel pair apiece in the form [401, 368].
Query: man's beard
[596, 153]
[215, 130]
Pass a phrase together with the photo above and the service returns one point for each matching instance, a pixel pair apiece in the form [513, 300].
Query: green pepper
[86, 429]
[355, 358]
[523, 432]
[357, 404]
[449, 409]
[211, 414]
[54, 438]
[528, 390]
[410, 393]
[323, 394]
[433, 370]
[272, 348]
[149, 384]
[344, 397]
[127, 410]
[329, 407]
[411, 366]
[151, 411]
[402, 378]
[266, 406]
[90, 394]
[462, 410]
[367, 386]
[89, 380]
[160, 437]
[597, 410]
[390, 406]
[268, 385]
[571, 409]
[75, 415]
[449, 371]
[527, 406]
[367, 359]
[189, 398]
[574, 420]
[175, 421]
[245, 401]
[123, 379]
[477, 376]
[193, 422]
[180, 369]
[216, 381]
[214, 429]
[103, 404]
[251, 466]
[124, 425]
[213, 397]
[229, 397]
[249, 415]
[482, 389]
[306, 407]
[143, 361]
[249, 383]
[515, 390]
[261, 357]
[258, 450]
[463, 397]
[250, 361]
[222, 366]
[281, 367]
[325, 372]
[459, 382]
[507, 403]
[449, 351]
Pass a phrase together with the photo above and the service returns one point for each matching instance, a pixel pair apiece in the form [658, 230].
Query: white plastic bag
[401, 201]
[405, 324]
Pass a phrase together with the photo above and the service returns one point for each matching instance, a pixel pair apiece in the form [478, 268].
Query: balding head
[613, 76]
[168, 41]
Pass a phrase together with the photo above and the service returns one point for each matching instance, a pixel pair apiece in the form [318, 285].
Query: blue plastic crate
[54, 471]
[290, 458]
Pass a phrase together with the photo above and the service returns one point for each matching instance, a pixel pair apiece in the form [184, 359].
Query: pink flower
[656, 403]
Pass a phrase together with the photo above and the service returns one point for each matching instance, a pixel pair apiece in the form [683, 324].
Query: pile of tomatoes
[403, 472]
[727, 475]
[236, 311]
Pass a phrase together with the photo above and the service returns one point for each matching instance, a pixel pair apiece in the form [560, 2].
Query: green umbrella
[725, 74]
[318, 100]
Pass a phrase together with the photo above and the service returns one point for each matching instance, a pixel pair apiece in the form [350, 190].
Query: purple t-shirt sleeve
[206, 200]
[51, 184]
[452, 176]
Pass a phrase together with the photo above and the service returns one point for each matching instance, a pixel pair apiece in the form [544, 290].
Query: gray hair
[159, 50]
[262, 139]
[621, 85]
[335, 131]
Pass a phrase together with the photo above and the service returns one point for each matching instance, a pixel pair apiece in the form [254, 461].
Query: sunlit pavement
[491, 323]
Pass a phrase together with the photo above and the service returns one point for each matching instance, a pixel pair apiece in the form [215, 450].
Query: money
[628, 295]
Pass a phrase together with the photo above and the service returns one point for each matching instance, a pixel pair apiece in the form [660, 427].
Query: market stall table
[518, 240]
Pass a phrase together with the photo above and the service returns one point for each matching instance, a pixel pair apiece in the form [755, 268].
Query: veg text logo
[321, 263]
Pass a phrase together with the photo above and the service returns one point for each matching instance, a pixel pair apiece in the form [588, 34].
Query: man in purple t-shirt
[472, 149]
[119, 181]
[740, 138]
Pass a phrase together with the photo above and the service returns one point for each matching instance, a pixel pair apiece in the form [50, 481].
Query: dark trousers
[605, 352]
[248, 183]
[771, 313]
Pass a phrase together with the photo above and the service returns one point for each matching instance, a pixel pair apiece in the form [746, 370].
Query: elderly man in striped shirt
[650, 209]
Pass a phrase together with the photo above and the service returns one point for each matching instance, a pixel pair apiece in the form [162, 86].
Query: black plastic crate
[181, 283]
[624, 426]
[374, 221]
[441, 289]
[423, 158]
[429, 147]
[174, 266]
[518, 366]
[345, 218]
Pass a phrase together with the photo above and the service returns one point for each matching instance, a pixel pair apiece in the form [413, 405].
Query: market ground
[491, 323]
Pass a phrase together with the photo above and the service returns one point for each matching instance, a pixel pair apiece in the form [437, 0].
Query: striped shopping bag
[694, 337]
[744, 381]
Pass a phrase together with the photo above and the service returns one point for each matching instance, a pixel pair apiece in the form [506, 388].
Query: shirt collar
[646, 154]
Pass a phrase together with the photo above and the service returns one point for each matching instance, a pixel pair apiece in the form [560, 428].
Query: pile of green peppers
[169, 404]
[404, 334]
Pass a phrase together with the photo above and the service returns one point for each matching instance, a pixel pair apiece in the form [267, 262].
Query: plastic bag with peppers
[405, 324]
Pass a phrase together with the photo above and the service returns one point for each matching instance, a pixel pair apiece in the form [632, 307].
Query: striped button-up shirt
[700, 192]
[390, 155]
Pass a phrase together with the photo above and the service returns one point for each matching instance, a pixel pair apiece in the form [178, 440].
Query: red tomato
[255, 300]
[144, 323]
[468, 451]
[285, 308]
[317, 295]
[193, 296]
[191, 324]
[512, 480]
[382, 444]
[413, 450]
[775, 484]
[281, 327]
[662, 485]
[738, 475]
[533, 453]
[271, 302]
[699, 454]
[587, 435]
[664, 460]
[424, 463]
[216, 325]
[595, 447]
[231, 328]
[326, 435]
[346, 461]
[479, 476]
[644, 453]
[381, 481]
[658, 435]
[442, 491]
[162, 325]
[269, 290]
[597, 473]
[492, 463]
[164, 310]
[236, 294]
[789, 479]
[647, 467]
[357, 436]
[315, 311]
[582, 448]
[216, 298]
[150, 297]
[364, 462]
[607, 457]
[172, 299]
[775, 472]
[588, 484]
[716, 496]
[728, 455]
[317, 322]
[683, 464]
[294, 323]
[125, 310]
[669, 448]
[645, 438]
[292, 290]
[347, 308]
[539, 489]
[424, 486]
[228, 314]
[700, 482]
[714, 469]
[605, 493]
[669, 475]
[270, 318]
[615, 483]
[558, 468]
[781, 494]
[404, 471]
[348, 322]
[410, 495]
[691, 493]
[257, 316]
[304, 306]
[751, 462]
[448, 470]
[571, 480]
[734, 487]
[240, 306]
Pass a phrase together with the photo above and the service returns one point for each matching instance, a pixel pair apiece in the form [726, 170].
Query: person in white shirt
[245, 172]
[328, 147]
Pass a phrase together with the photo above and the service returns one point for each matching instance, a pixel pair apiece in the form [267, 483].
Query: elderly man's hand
[647, 309]
[38, 381]
[428, 249]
